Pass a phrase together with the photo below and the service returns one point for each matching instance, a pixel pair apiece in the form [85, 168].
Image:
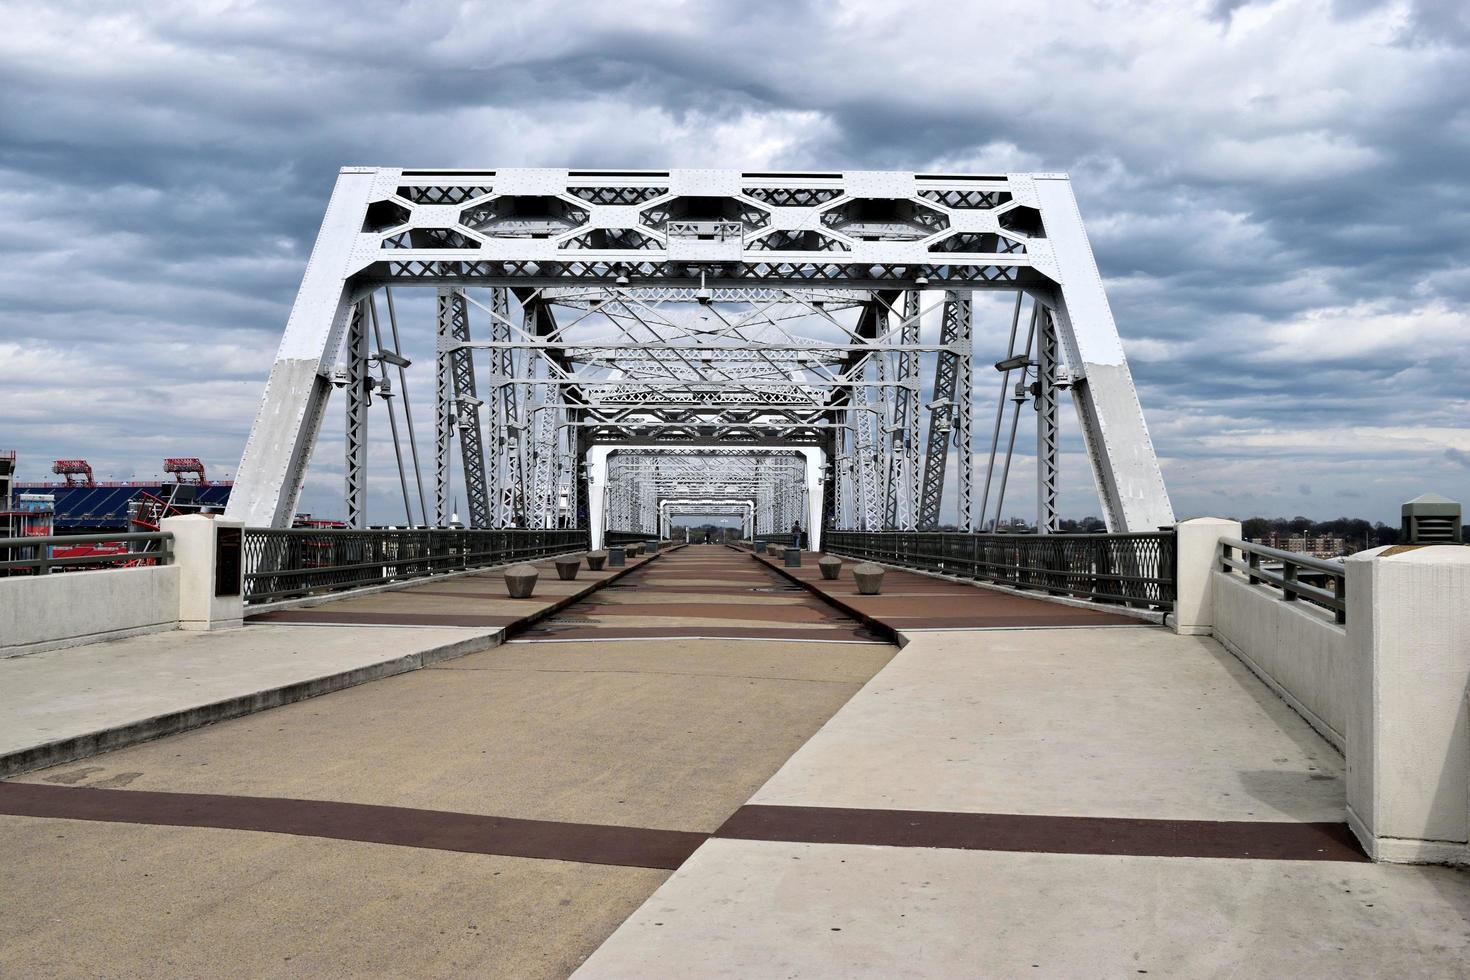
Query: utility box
[1431, 519]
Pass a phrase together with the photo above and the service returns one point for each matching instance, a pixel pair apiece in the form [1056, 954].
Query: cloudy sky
[1277, 193]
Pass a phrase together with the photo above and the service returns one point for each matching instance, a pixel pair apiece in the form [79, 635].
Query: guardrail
[33, 555]
[1288, 580]
[289, 562]
[1128, 569]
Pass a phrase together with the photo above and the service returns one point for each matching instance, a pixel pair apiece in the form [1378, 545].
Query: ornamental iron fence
[1129, 569]
[290, 562]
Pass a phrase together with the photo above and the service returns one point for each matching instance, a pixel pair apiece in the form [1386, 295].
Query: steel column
[359, 396]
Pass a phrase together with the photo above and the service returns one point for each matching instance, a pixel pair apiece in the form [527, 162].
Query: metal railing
[289, 562]
[1249, 561]
[34, 555]
[1129, 569]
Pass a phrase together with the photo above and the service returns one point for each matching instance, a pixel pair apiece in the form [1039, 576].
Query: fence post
[1408, 720]
[1196, 551]
[208, 551]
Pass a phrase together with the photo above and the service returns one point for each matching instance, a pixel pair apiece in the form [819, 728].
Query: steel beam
[454, 320]
[359, 396]
[954, 336]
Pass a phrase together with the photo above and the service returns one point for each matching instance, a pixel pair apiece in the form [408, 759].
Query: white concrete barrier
[1196, 544]
[51, 612]
[1295, 647]
[206, 600]
[1408, 728]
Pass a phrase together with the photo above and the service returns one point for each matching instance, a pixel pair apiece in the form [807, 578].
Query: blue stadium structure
[105, 507]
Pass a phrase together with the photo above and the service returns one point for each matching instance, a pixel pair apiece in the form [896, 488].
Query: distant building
[1317, 546]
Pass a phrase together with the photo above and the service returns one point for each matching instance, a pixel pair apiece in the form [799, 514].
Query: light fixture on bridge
[1012, 363]
[703, 294]
[393, 358]
[921, 281]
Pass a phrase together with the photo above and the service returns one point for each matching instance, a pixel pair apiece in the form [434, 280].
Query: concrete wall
[1390, 688]
[1295, 647]
[48, 612]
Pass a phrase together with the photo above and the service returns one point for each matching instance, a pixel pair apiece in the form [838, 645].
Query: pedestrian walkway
[703, 591]
[494, 815]
[619, 793]
[66, 704]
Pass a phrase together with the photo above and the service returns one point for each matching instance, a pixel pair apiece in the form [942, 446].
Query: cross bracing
[820, 323]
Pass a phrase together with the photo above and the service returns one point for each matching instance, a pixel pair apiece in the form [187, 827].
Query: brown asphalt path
[702, 591]
[911, 601]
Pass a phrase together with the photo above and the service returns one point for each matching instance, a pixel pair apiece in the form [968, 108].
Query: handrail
[42, 563]
[1135, 569]
[290, 562]
[1292, 564]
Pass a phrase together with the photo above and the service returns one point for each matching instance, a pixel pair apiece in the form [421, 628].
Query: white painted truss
[704, 334]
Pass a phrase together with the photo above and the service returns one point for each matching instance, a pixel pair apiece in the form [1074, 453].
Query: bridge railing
[284, 563]
[1250, 560]
[1130, 569]
[35, 555]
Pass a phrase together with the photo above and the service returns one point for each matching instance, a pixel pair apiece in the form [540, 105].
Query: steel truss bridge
[795, 346]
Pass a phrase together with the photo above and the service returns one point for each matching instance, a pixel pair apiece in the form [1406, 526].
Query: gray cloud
[1284, 236]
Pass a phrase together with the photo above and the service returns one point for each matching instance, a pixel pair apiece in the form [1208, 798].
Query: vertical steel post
[901, 502]
[942, 414]
[358, 397]
[454, 309]
[443, 412]
[1046, 424]
[964, 396]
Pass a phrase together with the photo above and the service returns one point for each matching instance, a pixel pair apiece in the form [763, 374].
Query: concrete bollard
[520, 581]
[595, 560]
[566, 568]
[793, 557]
[634, 550]
[759, 547]
[650, 546]
[829, 566]
[775, 550]
[616, 556]
[869, 578]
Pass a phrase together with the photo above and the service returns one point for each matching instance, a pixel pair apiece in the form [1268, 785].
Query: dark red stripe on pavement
[640, 847]
[1263, 840]
[633, 847]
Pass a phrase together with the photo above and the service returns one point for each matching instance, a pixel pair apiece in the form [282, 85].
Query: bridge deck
[1055, 802]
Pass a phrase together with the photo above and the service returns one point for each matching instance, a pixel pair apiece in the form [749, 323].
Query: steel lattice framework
[610, 341]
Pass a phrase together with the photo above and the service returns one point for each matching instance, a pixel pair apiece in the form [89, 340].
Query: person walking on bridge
[796, 534]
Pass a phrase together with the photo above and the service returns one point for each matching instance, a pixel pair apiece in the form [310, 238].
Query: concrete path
[494, 815]
[67, 704]
[1061, 803]
[1078, 801]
